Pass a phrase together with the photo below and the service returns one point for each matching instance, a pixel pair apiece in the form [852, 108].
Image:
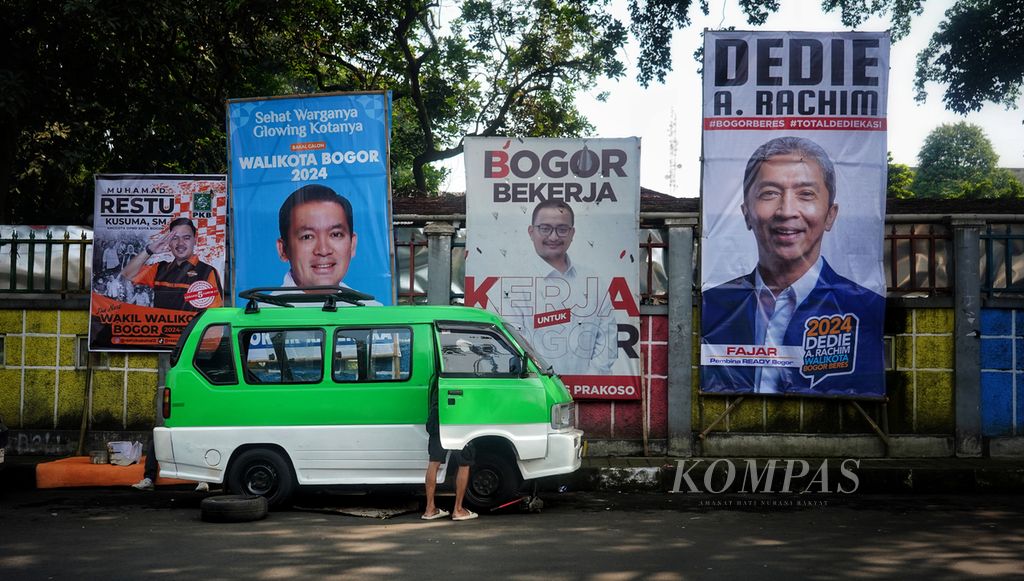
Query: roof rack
[284, 296]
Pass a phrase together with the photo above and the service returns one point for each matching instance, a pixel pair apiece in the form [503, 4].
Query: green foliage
[901, 178]
[480, 67]
[958, 161]
[134, 86]
[978, 53]
[139, 86]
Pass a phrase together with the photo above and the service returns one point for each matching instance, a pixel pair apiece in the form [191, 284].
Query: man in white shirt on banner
[317, 238]
[580, 341]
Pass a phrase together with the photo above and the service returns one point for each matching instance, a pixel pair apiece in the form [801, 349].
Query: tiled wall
[919, 386]
[625, 419]
[1002, 372]
[41, 387]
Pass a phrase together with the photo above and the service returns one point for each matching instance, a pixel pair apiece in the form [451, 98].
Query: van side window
[213, 355]
[475, 353]
[362, 355]
[282, 355]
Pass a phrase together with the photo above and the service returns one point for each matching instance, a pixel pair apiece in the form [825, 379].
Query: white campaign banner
[793, 213]
[552, 229]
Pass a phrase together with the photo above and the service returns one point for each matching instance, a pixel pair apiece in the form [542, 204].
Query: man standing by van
[462, 458]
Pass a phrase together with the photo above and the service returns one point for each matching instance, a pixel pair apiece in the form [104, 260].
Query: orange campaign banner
[158, 258]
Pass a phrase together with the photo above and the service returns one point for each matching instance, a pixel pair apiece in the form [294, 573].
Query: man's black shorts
[463, 457]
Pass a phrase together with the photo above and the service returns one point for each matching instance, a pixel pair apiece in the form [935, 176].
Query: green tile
[141, 405]
[38, 408]
[107, 400]
[41, 351]
[714, 406]
[783, 415]
[40, 321]
[74, 322]
[12, 351]
[70, 399]
[934, 321]
[934, 352]
[748, 416]
[935, 412]
[695, 398]
[820, 416]
[10, 321]
[142, 361]
[10, 397]
[899, 390]
[116, 361]
[67, 351]
[904, 347]
[853, 422]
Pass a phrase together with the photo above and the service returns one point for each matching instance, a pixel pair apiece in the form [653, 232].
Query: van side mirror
[517, 365]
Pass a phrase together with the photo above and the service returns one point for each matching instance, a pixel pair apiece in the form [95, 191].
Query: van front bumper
[565, 454]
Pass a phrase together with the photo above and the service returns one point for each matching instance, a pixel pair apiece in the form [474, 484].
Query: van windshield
[176, 354]
[532, 353]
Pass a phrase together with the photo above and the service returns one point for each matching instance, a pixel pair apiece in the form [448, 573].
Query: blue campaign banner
[310, 192]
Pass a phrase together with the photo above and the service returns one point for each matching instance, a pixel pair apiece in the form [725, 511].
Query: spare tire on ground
[233, 508]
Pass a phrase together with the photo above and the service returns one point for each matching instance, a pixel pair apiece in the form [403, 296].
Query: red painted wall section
[625, 419]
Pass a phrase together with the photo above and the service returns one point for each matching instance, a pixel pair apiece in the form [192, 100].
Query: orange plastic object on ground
[79, 471]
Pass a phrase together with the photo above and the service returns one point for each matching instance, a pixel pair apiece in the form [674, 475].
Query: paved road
[122, 534]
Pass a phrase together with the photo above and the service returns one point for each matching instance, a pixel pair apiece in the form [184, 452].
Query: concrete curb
[659, 475]
[938, 476]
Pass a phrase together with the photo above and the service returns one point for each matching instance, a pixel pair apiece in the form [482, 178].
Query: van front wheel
[262, 472]
[493, 480]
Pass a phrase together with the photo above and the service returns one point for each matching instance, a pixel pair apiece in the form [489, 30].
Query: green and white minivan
[267, 399]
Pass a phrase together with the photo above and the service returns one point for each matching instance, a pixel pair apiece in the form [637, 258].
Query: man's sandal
[441, 513]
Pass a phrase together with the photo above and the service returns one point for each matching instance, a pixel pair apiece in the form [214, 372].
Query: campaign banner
[158, 257]
[552, 229]
[311, 193]
[793, 213]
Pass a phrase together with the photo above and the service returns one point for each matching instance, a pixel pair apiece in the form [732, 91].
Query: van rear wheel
[262, 472]
[493, 480]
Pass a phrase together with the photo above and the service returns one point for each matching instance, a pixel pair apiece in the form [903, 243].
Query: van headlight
[563, 415]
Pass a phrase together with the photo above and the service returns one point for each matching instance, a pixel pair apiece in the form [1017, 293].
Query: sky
[631, 110]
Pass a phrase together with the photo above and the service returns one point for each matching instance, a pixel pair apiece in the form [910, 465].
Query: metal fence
[918, 261]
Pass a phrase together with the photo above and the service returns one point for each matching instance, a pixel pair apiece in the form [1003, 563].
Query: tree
[134, 86]
[958, 161]
[141, 87]
[498, 66]
[900, 181]
[978, 53]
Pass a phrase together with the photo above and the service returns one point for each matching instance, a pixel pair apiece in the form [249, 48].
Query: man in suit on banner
[821, 332]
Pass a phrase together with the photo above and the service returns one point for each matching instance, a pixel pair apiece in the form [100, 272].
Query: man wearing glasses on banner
[569, 320]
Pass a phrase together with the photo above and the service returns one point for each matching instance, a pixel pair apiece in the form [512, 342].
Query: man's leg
[430, 484]
[151, 470]
[461, 482]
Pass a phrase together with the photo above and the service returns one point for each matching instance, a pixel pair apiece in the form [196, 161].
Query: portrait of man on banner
[552, 231]
[159, 259]
[310, 191]
[793, 301]
[793, 213]
[587, 345]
